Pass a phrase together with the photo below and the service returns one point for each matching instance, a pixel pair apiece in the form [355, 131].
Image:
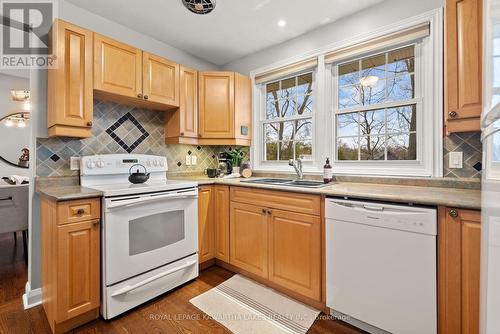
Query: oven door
[144, 232]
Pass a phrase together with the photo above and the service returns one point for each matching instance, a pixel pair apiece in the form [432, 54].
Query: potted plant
[236, 156]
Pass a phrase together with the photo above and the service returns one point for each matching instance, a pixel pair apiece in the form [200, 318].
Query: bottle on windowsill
[327, 171]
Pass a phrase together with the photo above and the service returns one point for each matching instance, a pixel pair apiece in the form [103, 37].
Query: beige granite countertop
[67, 192]
[453, 197]
[424, 195]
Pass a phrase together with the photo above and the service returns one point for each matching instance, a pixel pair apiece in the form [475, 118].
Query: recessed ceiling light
[281, 23]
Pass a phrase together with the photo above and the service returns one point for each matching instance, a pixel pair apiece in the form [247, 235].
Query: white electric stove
[149, 230]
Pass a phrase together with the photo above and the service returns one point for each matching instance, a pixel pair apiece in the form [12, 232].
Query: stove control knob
[100, 164]
[148, 163]
[90, 164]
[155, 163]
[162, 163]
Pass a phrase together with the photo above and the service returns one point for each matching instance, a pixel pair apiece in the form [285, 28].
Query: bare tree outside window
[288, 125]
[365, 132]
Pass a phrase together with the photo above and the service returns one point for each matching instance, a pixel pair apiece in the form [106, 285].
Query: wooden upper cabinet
[78, 269]
[463, 65]
[206, 237]
[458, 273]
[216, 91]
[117, 67]
[295, 252]
[221, 214]
[249, 238]
[181, 126]
[70, 95]
[225, 110]
[160, 80]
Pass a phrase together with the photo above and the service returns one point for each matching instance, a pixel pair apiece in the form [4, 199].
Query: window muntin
[288, 120]
[376, 110]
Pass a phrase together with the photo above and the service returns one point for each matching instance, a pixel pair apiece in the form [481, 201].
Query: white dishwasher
[381, 266]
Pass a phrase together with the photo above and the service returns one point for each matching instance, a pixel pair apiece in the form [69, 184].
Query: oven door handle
[129, 288]
[134, 202]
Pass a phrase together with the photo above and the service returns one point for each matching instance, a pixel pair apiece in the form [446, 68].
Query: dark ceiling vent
[199, 6]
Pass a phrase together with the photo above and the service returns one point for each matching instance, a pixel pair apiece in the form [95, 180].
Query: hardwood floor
[170, 313]
[13, 269]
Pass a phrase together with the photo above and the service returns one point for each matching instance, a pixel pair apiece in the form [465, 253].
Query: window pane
[304, 104]
[347, 124]
[373, 92]
[286, 150]
[273, 110]
[402, 147]
[348, 96]
[303, 150]
[401, 61]
[372, 148]
[401, 87]
[347, 149]
[271, 131]
[280, 108]
[303, 129]
[304, 84]
[271, 151]
[287, 108]
[272, 91]
[288, 88]
[402, 119]
[373, 66]
[496, 72]
[372, 122]
[286, 132]
[348, 73]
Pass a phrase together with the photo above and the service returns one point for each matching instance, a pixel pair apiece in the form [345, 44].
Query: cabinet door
[188, 103]
[221, 201]
[249, 238]
[78, 266]
[463, 67]
[295, 252]
[216, 94]
[205, 224]
[160, 80]
[70, 103]
[117, 67]
[459, 258]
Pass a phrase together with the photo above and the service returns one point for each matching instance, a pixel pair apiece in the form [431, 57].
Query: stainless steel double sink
[288, 183]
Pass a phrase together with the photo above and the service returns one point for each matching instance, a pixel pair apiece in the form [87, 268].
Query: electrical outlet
[74, 163]
[194, 160]
[456, 160]
[188, 160]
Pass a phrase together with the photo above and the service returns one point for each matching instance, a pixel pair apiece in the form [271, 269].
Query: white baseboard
[31, 298]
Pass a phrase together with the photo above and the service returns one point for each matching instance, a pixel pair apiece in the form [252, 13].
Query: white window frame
[431, 164]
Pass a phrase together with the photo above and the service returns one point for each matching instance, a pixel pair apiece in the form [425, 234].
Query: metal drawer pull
[453, 213]
[129, 288]
[6, 198]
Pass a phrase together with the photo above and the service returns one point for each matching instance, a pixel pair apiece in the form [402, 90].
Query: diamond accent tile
[127, 139]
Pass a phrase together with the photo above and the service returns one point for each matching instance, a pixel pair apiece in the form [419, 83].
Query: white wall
[11, 139]
[362, 22]
[91, 21]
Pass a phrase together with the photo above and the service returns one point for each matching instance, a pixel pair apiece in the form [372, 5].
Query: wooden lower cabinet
[221, 218]
[206, 233]
[295, 252]
[70, 264]
[249, 238]
[459, 258]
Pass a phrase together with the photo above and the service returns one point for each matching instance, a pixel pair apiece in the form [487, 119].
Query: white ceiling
[234, 29]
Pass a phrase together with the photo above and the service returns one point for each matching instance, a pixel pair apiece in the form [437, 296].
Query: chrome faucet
[297, 165]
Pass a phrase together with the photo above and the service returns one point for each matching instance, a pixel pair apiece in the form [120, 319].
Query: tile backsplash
[125, 129]
[121, 129]
[470, 144]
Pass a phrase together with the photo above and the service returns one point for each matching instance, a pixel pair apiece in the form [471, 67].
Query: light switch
[456, 160]
[74, 163]
[194, 160]
[188, 160]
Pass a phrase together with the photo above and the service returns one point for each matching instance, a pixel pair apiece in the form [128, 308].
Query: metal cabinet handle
[264, 211]
[6, 198]
[269, 212]
[453, 213]
[453, 114]
[80, 211]
[139, 96]
[181, 134]
[146, 97]
[89, 123]
[96, 222]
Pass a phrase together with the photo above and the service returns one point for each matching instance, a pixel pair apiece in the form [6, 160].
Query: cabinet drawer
[288, 201]
[78, 210]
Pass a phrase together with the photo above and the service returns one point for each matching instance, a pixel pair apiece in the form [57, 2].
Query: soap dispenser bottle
[327, 171]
